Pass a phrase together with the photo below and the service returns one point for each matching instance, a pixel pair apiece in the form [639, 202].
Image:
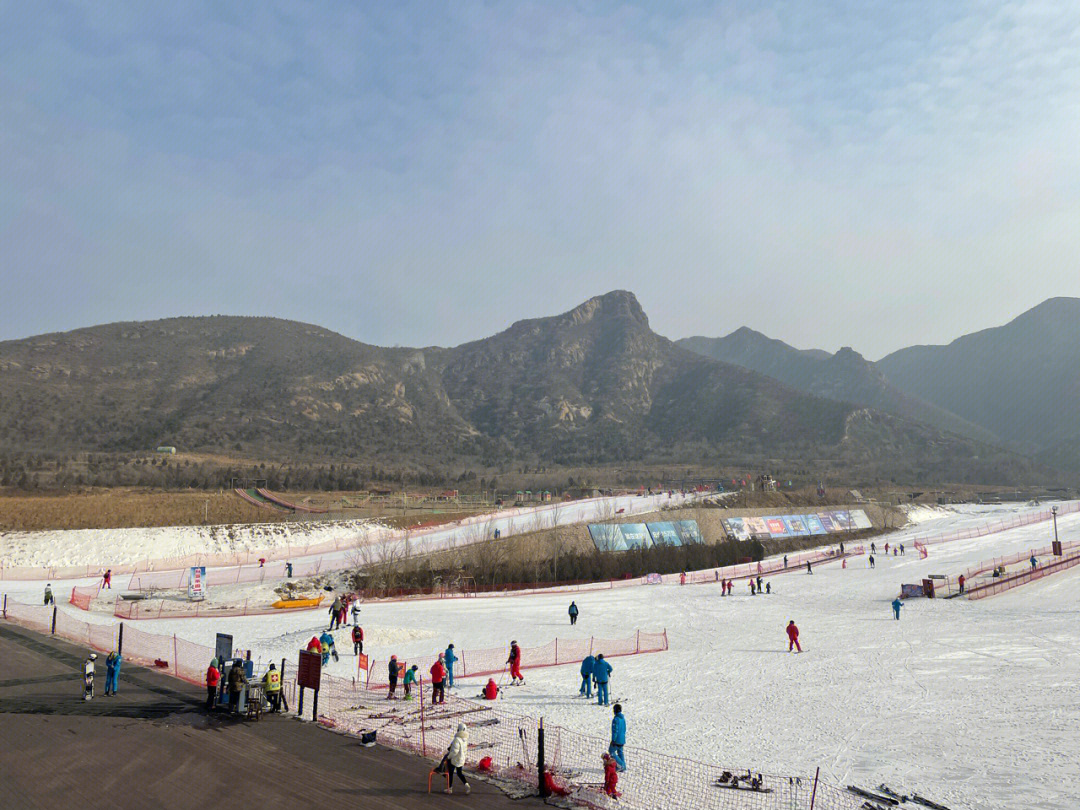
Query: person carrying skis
[112, 672]
[213, 679]
[88, 676]
[449, 658]
[272, 685]
[515, 663]
[455, 758]
[410, 679]
[49, 600]
[896, 605]
[357, 639]
[392, 674]
[601, 676]
[793, 637]
[438, 681]
[355, 611]
[573, 611]
[611, 776]
[335, 613]
[587, 664]
[618, 737]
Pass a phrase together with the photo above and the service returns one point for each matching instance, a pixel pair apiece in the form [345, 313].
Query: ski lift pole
[423, 734]
[813, 794]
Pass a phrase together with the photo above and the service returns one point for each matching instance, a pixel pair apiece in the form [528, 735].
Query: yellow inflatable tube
[287, 604]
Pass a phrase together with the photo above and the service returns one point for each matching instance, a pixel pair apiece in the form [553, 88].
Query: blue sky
[829, 173]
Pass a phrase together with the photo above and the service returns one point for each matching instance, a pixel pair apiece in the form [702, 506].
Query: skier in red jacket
[491, 691]
[438, 681]
[515, 663]
[793, 636]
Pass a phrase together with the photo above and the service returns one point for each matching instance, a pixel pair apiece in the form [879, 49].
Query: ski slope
[968, 703]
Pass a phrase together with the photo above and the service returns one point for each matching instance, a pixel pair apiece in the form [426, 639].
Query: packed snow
[966, 702]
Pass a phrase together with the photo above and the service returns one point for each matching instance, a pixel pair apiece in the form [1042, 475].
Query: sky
[828, 173]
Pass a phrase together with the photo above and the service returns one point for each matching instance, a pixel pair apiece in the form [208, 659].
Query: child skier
[611, 776]
[410, 679]
[793, 637]
[515, 664]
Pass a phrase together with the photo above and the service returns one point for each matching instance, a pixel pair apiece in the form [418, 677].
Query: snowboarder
[106, 579]
[573, 611]
[871, 560]
[515, 663]
[962, 579]
[611, 776]
[335, 613]
[112, 672]
[618, 737]
[272, 685]
[793, 637]
[393, 676]
[357, 640]
[410, 679]
[438, 680]
[491, 690]
[601, 676]
[355, 611]
[587, 664]
[455, 758]
[213, 679]
[88, 676]
[450, 658]
[896, 605]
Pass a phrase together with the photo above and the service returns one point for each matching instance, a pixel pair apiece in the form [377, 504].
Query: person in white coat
[455, 758]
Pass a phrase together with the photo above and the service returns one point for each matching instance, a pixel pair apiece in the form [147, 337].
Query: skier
[894, 550]
[759, 583]
[213, 679]
[901, 549]
[335, 612]
[841, 549]
[682, 578]
[873, 548]
[288, 570]
[357, 639]
[112, 672]
[343, 614]
[393, 676]
[753, 592]
[515, 664]
[587, 665]
[573, 611]
[262, 562]
[793, 637]
[326, 647]
[455, 758]
[896, 605]
[450, 658]
[1034, 562]
[871, 560]
[88, 676]
[601, 675]
[410, 679]
[785, 561]
[809, 570]
[49, 595]
[272, 685]
[106, 579]
[611, 776]
[438, 681]
[962, 579]
[768, 587]
[491, 690]
[886, 549]
[618, 737]
[355, 610]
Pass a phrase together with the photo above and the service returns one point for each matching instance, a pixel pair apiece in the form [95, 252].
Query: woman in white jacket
[455, 757]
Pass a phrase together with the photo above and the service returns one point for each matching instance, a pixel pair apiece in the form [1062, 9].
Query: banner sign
[795, 525]
[792, 525]
[776, 526]
[664, 533]
[736, 529]
[309, 669]
[859, 520]
[756, 526]
[814, 524]
[607, 537]
[362, 662]
[654, 579]
[196, 588]
[689, 532]
[635, 535]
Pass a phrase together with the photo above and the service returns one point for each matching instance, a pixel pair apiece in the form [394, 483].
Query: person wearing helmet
[88, 676]
[515, 664]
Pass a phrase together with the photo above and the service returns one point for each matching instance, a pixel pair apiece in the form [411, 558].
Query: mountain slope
[593, 385]
[1020, 380]
[845, 377]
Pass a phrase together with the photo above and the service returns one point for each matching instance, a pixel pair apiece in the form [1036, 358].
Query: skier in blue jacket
[449, 659]
[896, 605]
[327, 642]
[587, 665]
[601, 674]
[618, 738]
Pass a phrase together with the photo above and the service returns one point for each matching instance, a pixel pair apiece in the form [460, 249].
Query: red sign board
[362, 662]
[309, 670]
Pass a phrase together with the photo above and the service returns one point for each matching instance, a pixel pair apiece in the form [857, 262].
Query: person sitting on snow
[491, 691]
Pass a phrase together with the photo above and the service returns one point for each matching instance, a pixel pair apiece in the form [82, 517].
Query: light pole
[1053, 511]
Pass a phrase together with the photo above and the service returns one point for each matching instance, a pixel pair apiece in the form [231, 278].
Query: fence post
[5, 605]
[540, 759]
[54, 620]
[176, 662]
[813, 794]
[637, 645]
[120, 640]
[423, 734]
